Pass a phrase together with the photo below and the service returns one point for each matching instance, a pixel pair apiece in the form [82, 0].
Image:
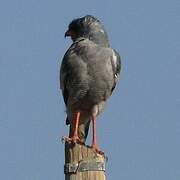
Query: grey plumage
[89, 72]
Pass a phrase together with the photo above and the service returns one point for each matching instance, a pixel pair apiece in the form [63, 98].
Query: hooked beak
[68, 33]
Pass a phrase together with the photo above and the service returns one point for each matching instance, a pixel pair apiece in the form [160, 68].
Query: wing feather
[116, 66]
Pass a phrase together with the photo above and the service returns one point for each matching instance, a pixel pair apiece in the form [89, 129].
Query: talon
[96, 148]
[62, 140]
[73, 139]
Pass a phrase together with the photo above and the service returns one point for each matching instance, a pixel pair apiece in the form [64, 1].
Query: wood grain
[74, 153]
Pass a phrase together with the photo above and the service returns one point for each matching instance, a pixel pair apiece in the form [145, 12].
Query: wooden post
[83, 163]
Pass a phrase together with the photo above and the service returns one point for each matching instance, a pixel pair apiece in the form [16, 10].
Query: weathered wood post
[83, 163]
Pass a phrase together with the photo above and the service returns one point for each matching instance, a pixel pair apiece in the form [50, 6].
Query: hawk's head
[88, 27]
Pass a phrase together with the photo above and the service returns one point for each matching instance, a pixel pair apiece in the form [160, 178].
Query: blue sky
[140, 127]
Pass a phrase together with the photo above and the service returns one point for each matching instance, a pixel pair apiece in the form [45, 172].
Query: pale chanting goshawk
[89, 73]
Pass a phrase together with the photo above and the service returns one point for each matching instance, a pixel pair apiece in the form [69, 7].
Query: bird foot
[73, 139]
[96, 148]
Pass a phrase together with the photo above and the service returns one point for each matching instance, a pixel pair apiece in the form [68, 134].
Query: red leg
[75, 124]
[94, 140]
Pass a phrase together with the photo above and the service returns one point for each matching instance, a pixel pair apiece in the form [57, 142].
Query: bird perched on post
[89, 72]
